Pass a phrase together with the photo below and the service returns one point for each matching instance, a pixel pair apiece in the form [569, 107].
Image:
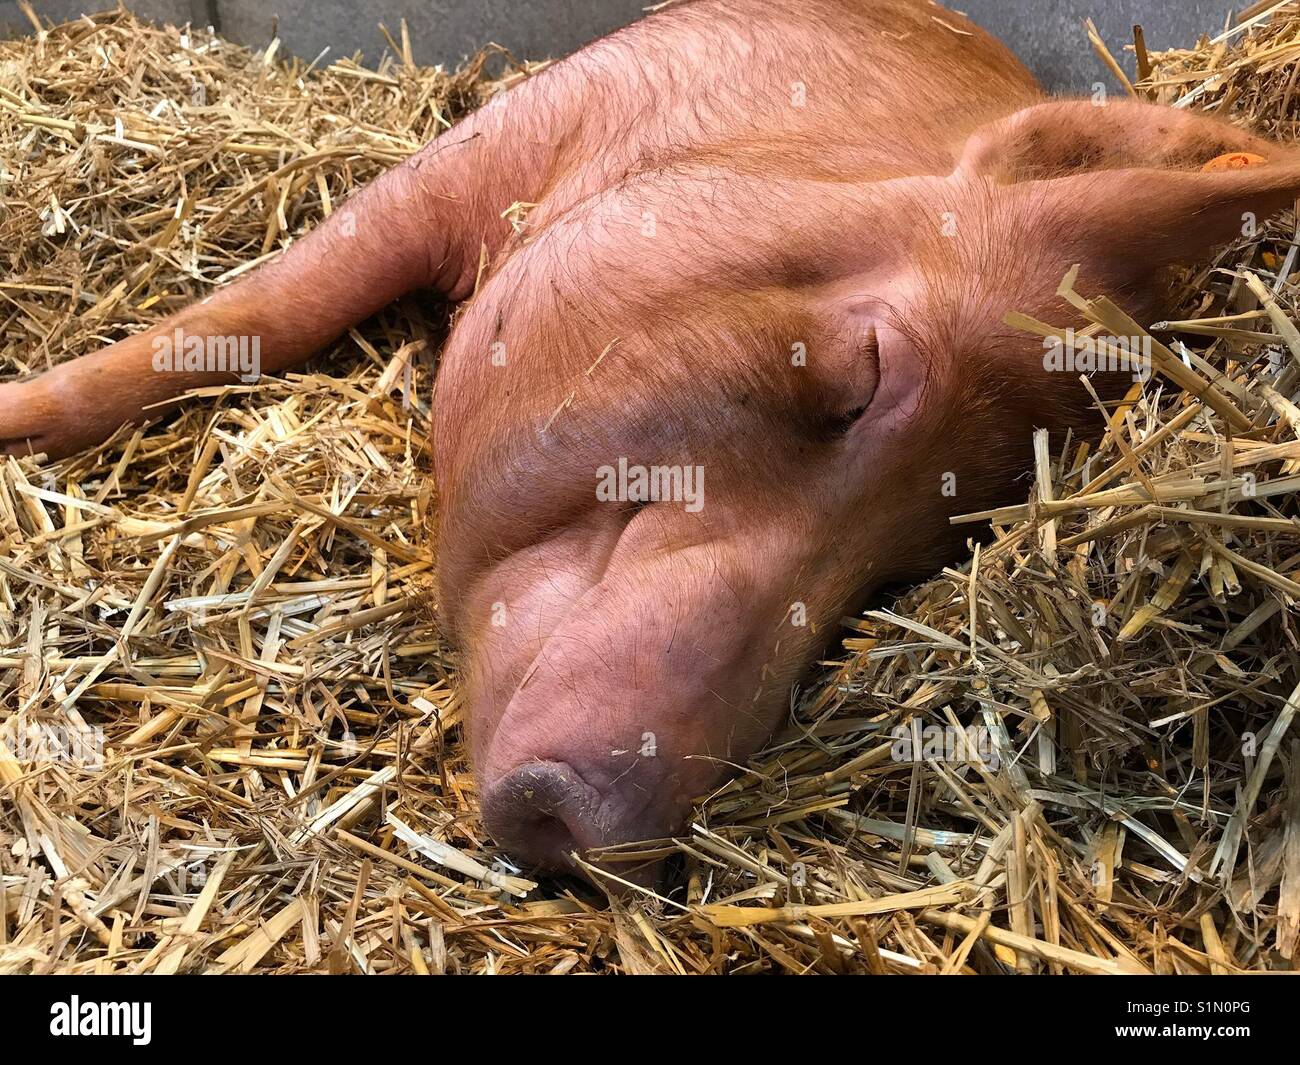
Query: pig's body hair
[714, 189]
[682, 375]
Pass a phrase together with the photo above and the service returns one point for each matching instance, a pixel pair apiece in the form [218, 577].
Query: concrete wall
[1047, 34]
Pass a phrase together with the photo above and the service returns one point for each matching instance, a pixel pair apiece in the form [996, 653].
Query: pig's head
[672, 456]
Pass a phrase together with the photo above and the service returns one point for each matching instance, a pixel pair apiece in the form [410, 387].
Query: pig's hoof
[32, 422]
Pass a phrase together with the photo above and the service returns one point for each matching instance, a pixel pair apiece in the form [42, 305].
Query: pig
[729, 375]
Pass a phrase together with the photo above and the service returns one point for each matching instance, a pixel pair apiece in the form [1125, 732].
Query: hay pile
[229, 734]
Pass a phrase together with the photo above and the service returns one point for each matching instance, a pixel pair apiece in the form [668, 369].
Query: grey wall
[1047, 34]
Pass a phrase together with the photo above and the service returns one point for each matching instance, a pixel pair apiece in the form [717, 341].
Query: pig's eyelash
[842, 423]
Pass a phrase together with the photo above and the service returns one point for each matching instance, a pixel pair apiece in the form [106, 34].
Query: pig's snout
[602, 733]
[542, 812]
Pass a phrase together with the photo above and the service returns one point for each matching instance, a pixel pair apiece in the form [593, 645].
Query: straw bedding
[230, 739]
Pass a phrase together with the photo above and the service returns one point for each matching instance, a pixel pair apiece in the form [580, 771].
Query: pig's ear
[1069, 137]
[1136, 177]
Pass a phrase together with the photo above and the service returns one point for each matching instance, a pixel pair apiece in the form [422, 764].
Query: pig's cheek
[514, 610]
[486, 688]
[499, 655]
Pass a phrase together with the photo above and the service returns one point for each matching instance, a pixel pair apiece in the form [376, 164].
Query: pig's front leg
[423, 224]
[419, 225]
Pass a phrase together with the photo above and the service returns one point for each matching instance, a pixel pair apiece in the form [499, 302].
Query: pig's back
[847, 86]
[831, 90]
[896, 82]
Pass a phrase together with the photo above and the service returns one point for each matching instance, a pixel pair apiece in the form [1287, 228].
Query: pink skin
[718, 187]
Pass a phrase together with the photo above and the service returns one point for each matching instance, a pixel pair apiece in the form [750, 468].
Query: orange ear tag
[1232, 161]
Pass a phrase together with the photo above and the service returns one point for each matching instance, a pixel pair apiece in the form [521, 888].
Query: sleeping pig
[735, 370]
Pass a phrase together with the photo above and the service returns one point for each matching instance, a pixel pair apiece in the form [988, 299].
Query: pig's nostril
[542, 812]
